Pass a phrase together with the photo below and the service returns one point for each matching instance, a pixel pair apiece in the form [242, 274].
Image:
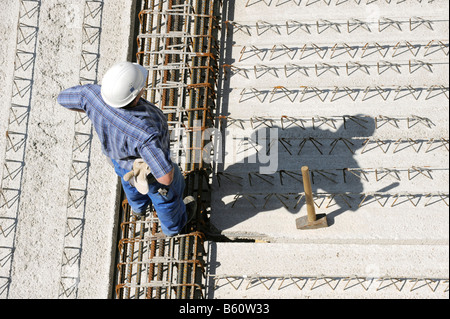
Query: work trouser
[167, 200]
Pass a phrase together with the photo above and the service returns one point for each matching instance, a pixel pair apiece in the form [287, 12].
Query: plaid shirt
[125, 134]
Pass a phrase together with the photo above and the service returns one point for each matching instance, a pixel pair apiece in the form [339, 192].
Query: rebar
[154, 266]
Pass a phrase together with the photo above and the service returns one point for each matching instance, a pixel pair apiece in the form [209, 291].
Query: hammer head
[304, 223]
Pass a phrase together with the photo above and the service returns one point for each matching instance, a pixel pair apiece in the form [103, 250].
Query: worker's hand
[138, 176]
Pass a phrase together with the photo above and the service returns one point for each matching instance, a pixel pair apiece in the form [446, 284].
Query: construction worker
[134, 135]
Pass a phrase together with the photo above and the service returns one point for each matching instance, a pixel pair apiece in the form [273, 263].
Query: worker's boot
[138, 215]
[191, 208]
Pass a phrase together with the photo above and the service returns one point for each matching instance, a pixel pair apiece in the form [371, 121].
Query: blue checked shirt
[125, 134]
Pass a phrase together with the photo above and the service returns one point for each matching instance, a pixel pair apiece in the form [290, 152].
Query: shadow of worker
[261, 171]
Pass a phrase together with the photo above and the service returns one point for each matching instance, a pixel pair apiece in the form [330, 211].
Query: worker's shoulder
[146, 109]
[93, 96]
[143, 101]
[150, 106]
[94, 88]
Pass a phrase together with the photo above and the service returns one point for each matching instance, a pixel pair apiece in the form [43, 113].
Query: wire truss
[153, 266]
[81, 152]
[320, 26]
[324, 146]
[286, 122]
[348, 200]
[437, 48]
[332, 284]
[16, 134]
[326, 95]
[336, 176]
[323, 69]
[307, 3]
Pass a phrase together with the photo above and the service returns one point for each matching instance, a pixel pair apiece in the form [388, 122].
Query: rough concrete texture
[366, 146]
[57, 218]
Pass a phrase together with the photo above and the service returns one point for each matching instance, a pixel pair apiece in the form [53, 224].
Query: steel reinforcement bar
[151, 265]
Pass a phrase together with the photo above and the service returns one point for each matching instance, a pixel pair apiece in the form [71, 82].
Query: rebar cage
[153, 266]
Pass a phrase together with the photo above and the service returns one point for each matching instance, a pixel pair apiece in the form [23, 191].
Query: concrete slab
[296, 74]
[52, 245]
[274, 127]
[261, 270]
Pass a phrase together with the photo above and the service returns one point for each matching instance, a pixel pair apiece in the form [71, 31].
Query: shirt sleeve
[158, 161]
[72, 98]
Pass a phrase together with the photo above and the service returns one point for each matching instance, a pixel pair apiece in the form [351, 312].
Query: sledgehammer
[311, 221]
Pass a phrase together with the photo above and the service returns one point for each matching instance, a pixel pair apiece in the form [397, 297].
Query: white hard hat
[122, 83]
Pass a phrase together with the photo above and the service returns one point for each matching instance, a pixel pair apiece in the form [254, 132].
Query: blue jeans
[170, 207]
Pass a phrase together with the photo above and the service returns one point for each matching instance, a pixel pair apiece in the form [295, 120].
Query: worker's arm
[157, 160]
[72, 99]
[166, 179]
